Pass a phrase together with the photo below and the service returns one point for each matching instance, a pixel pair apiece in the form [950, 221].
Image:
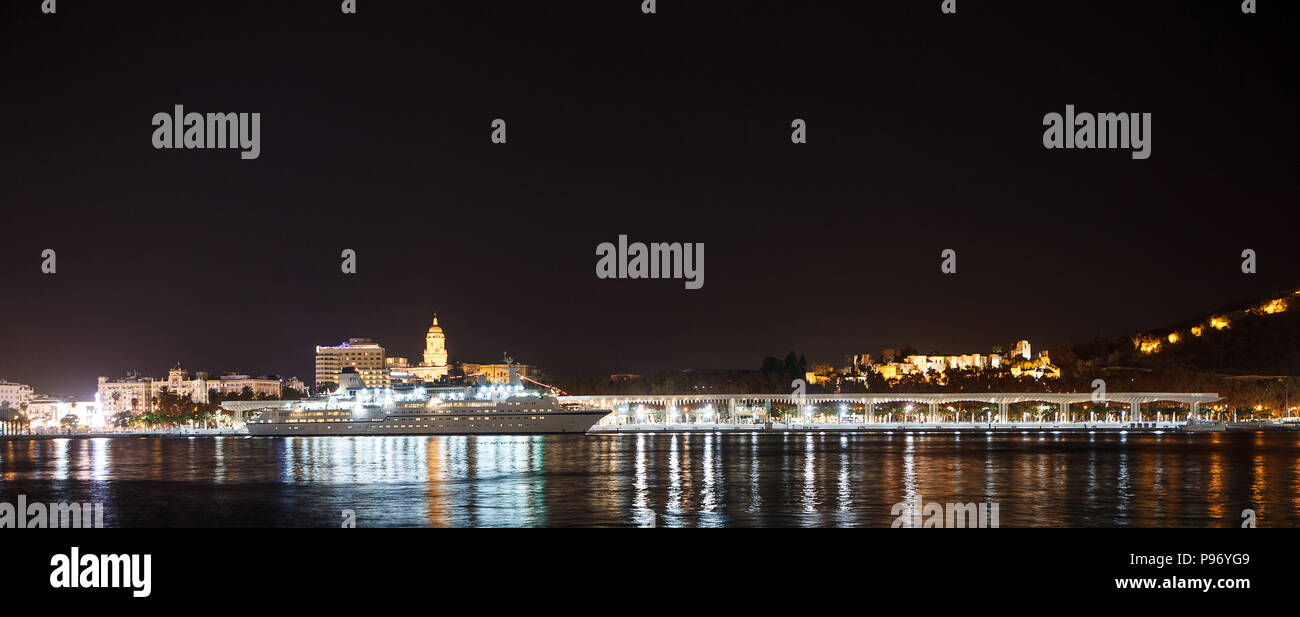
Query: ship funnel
[349, 380]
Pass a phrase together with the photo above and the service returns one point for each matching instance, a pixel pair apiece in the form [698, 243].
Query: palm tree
[7, 417]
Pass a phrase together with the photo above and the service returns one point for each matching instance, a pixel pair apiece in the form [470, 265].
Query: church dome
[435, 350]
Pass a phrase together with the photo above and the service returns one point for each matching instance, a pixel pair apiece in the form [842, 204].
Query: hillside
[1260, 337]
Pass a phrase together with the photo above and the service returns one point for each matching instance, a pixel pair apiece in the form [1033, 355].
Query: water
[690, 480]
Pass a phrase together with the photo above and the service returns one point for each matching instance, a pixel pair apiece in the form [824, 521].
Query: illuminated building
[939, 364]
[45, 411]
[434, 364]
[891, 370]
[1274, 306]
[15, 394]
[1152, 344]
[131, 394]
[134, 394]
[399, 372]
[1021, 349]
[1146, 344]
[821, 373]
[48, 412]
[499, 373]
[361, 354]
[1021, 361]
[1038, 369]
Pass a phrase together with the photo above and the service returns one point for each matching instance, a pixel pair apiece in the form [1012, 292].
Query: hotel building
[361, 354]
[132, 394]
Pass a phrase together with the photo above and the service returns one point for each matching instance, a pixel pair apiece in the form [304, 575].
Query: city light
[1276, 306]
[1146, 344]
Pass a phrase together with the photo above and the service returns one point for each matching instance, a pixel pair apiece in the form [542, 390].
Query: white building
[13, 395]
[399, 372]
[922, 364]
[48, 412]
[361, 354]
[1022, 349]
[135, 394]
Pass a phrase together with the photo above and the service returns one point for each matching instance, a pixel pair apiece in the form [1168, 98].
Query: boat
[482, 409]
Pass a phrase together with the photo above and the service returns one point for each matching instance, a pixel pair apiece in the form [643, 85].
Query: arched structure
[737, 409]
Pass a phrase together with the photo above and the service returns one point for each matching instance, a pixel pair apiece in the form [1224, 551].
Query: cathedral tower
[435, 348]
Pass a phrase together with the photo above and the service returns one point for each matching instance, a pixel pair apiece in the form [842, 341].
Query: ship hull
[554, 423]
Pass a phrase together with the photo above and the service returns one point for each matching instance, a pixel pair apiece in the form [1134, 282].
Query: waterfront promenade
[871, 411]
[769, 428]
[889, 427]
[877, 412]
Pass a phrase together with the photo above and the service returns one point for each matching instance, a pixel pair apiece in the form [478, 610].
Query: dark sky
[925, 133]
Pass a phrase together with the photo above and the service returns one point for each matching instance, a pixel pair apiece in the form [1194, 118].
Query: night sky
[924, 133]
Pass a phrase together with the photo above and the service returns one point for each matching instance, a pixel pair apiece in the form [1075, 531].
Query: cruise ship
[485, 409]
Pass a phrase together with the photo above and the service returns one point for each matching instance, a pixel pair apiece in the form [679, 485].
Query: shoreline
[118, 435]
[743, 429]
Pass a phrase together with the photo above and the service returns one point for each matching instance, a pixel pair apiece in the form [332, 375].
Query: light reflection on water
[667, 479]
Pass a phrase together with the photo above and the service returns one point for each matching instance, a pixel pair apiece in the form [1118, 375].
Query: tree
[6, 415]
[69, 421]
[173, 409]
